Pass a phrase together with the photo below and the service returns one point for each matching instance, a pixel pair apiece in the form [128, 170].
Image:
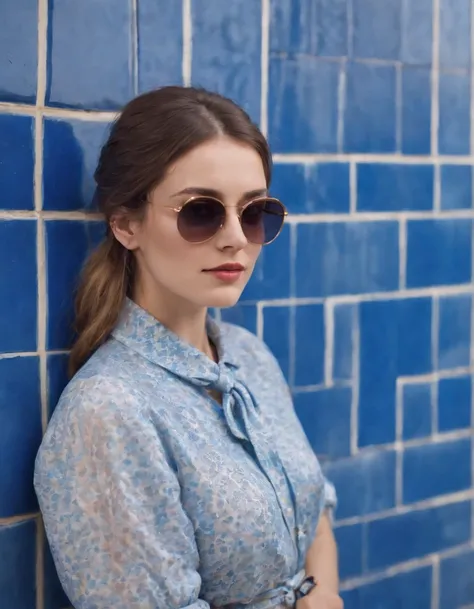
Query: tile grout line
[341, 106]
[264, 66]
[328, 309]
[435, 79]
[398, 444]
[134, 45]
[187, 42]
[434, 362]
[354, 423]
[402, 254]
[41, 266]
[435, 583]
[292, 313]
[472, 259]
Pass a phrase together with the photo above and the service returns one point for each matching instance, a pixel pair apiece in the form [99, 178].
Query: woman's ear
[125, 230]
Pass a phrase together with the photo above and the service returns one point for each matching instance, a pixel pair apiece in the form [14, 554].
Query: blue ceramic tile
[303, 104]
[271, 276]
[16, 161]
[18, 565]
[315, 188]
[436, 469]
[454, 403]
[455, 34]
[227, 48]
[406, 590]
[346, 258]
[395, 340]
[242, 314]
[276, 334]
[344, 320]
[326, 419]
[456, 187]
[89, 46]
[416, 410]
[309, 345]
[438, 252]
[365, 483]
[454, 338]
[160, 44]
[370, 116]
[454, 114]
[57, 378]
[394, 187]
[455, 581]
[416, 533]
[417, 32]
[67, 244]
[54, 595]
[20, 434]
[376, 29]
[18, 294]
[19, 53]
[70, 149]
[349, 540]
[309, 27]
[416, 111]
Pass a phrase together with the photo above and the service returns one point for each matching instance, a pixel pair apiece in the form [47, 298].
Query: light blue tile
[18, 50]
[455, 580]
[16, 162]
[18, 565]
[89, 54]
[227, 49]
[276, 334]
[309, 345]
[456, 187]
[416, 110]
[454, 403]
[454, 114]
[455, 33]
[417, 410]
[376, 29]
[417, 32]
[454, 334]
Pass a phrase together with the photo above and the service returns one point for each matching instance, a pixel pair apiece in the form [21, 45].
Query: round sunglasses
[201, 217]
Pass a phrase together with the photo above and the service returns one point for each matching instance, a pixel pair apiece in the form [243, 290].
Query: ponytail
[102, 290]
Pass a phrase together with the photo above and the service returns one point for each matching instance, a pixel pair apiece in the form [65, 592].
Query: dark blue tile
[365, 483]
[57, 364]
[344, 320]
[454, 403]
[89, 54]
[19, 53]
[227, 57]
[454, 337]
[54, 595]
[407, 590]
[271, 276]
[309, 345]
[349, 540]
[18, 565]
[16, 161]
[416, 533]
[376, 29]
[241, 314]
[438, 252]
[417, 32]
[346, 258]
[395, 340]
[276, 334]
[416, 110]
[160, 44]
[455, 34]
[394, 187]
[456, 186]
[456, 588]
[18, 278]
[67, 244]
[326, 419]
[71, 150]
[19, 442]
[317, 188]
[370, 115]
[436, 469]
[454, 114]
[417, 410]
[308, 27]
[303, 104]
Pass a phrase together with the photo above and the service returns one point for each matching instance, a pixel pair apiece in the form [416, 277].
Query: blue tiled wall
[366, 298]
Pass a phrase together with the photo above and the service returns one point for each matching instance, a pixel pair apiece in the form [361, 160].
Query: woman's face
[170, 267]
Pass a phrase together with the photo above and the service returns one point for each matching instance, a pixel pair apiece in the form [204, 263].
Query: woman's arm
[321, 559]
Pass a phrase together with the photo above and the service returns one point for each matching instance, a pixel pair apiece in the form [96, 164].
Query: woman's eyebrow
[211, 192]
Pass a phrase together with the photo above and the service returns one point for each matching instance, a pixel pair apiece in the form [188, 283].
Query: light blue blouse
[155, 496]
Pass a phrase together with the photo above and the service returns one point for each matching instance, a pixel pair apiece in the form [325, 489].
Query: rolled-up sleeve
[110, 499]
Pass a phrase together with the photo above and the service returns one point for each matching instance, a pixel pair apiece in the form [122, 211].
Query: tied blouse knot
[155, 496]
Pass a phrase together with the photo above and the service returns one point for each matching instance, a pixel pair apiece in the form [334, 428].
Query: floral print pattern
[156, 496]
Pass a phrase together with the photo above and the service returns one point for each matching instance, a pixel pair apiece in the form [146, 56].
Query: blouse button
[300, 533]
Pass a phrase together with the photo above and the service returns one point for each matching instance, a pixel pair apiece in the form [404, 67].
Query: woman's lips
[227, 273]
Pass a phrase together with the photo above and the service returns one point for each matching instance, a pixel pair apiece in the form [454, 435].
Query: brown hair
[152, 132]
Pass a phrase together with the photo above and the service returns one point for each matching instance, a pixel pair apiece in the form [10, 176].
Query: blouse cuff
[330, 499]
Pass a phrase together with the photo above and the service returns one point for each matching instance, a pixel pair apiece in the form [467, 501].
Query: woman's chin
[224, 297]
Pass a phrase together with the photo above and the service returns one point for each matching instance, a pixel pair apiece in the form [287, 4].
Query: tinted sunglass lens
[263, 220]
[199, 220]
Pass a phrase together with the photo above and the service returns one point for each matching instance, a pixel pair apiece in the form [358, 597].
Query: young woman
[174, 472]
